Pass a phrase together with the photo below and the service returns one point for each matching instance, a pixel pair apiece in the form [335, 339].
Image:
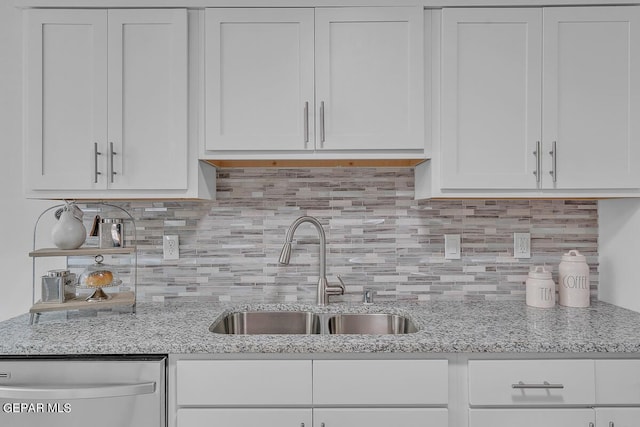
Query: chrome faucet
[324, 289]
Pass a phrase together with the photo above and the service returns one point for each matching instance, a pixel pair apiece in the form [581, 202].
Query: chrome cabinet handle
[111, 154]
[322, 121]
[96, 172]
[554, 156]
[544, 385]
[537, 154]
[77, 391]
[306, 125]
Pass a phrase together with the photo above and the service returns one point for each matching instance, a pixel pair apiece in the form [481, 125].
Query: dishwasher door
[83, 392]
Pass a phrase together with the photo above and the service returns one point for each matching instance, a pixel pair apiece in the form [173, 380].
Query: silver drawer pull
[544, 385]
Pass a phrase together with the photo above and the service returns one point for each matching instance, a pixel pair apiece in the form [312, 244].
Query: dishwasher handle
[93, 391]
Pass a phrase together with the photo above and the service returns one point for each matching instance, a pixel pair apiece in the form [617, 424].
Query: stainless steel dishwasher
[96, 392]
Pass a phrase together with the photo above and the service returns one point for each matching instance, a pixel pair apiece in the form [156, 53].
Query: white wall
[619, 252]
[17, 215]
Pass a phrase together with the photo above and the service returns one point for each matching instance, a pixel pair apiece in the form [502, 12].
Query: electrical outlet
[171, 247]
[521, 245]
[451, 246]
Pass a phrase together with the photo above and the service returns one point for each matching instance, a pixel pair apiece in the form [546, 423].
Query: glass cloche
[98, 276]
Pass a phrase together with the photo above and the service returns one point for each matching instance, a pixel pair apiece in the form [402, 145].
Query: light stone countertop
[445, 327]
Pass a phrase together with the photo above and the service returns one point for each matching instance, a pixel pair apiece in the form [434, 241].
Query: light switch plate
[521, 245]
[451, 246]
[170, 247]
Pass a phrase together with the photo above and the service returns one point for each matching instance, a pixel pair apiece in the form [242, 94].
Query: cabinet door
[147, 145]
[369, 78]
[531, 417]
[591, 97]
[66, 99]
[617, 417]
[491, 97]
[259, 79]
[244, 417]
[380, 417]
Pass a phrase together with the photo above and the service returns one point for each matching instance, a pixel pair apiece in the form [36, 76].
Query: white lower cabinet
[380, 417]
[531, 417]
[310, 393]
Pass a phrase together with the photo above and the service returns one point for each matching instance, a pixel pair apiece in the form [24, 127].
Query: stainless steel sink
[304, 322]
[267, 322]
[370, 323]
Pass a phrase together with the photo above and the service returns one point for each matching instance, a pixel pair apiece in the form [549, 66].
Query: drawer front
[531, 417]
[531, 382]
[244, 417]
[380, 382]
[618, 382]
[243, 382]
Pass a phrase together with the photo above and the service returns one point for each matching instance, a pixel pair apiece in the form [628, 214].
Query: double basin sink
[305, 322]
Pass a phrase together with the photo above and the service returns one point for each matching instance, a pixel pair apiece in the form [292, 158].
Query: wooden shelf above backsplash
[316, 163]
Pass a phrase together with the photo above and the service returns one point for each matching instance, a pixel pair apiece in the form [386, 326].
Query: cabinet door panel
[259, 76]
[147, 99]
[617, 417]
[66, 77]
[244, 417]
[491, 97]
[592, 96]
[380, 417]
[530, 418]
[369, 75]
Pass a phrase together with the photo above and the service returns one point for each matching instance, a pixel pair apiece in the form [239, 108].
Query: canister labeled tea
[573, 281]
[540, 288]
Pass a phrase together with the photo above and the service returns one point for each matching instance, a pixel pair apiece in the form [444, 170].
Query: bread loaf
[99, 278]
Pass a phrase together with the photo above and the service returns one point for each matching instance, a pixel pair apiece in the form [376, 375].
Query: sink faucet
[324, 289]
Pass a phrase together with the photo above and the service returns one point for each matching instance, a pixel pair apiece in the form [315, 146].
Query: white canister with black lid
[573, 280]
[540, 288]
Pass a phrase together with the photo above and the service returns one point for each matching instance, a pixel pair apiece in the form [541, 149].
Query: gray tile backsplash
[377, 236]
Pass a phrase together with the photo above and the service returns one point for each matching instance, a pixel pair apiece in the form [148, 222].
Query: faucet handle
[337, 289]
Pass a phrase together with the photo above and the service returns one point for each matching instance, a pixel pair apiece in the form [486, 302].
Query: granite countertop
[445, 327]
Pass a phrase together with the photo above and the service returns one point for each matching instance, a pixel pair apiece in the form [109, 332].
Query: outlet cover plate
[451, 246]
[170, 247]
[521, 245]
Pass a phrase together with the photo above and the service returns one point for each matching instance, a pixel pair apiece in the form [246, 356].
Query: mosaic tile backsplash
[377, 237]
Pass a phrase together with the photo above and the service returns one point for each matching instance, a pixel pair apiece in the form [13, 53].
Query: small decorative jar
[573, 281]
[541, 289]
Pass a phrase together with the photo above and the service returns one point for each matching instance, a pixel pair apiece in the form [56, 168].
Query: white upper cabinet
[545, 100]
[66, 92]
[299, 82]
[492, 88]
[369, 78]
[591, 99]
[147, 60]
[106, 102]
[259, 79]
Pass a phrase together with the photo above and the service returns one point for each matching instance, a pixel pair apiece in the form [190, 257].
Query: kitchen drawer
[380, 382]
[618, 382]
[514, 382]
[243, 382]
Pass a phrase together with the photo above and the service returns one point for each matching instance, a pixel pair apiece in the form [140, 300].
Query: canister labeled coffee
[573, 281]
